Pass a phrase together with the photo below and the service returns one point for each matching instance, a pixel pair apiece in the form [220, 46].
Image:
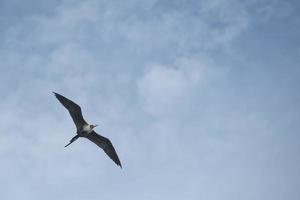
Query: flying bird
[86, 130]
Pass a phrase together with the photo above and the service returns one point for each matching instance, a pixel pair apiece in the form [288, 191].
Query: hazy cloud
[165, 90]
[200, 99]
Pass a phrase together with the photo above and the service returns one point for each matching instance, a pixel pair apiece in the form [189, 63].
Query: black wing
[105, 144]
[74, 110]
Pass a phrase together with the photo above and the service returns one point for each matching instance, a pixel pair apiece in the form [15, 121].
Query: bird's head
[93, 126]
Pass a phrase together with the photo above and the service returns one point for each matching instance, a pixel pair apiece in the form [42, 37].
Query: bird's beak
[95, 125]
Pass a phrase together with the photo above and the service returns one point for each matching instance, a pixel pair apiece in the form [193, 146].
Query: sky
[200, 98]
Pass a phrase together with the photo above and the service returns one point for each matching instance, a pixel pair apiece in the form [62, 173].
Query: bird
[86, 130]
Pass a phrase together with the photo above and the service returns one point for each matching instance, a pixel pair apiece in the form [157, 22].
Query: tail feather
[72, 140]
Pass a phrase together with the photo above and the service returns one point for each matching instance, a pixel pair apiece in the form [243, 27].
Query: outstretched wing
[74, 110]
[105, 144]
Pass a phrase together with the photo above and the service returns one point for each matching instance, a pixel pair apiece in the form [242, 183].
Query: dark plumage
[86, 130]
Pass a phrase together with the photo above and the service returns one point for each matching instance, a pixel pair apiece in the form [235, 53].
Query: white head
[93, 126]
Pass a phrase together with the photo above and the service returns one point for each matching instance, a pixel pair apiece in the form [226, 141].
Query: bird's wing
[105, 144]
[74, 110]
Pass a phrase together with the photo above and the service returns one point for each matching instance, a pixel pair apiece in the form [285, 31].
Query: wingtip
[119, 164]
[56, 94]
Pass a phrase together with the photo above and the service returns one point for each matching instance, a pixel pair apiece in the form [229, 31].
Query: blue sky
[200, 99]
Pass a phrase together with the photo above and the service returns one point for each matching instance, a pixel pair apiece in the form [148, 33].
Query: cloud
[164, 83]
[270, 10]
[166, 90]
[143, 30]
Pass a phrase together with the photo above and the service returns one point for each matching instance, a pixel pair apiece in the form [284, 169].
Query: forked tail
[72, 140]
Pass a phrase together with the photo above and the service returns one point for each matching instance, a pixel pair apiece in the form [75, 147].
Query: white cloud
[161, 89]
[195, 125]
[165, 90]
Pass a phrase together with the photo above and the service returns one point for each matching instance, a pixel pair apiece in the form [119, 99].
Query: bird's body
[86, 130]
